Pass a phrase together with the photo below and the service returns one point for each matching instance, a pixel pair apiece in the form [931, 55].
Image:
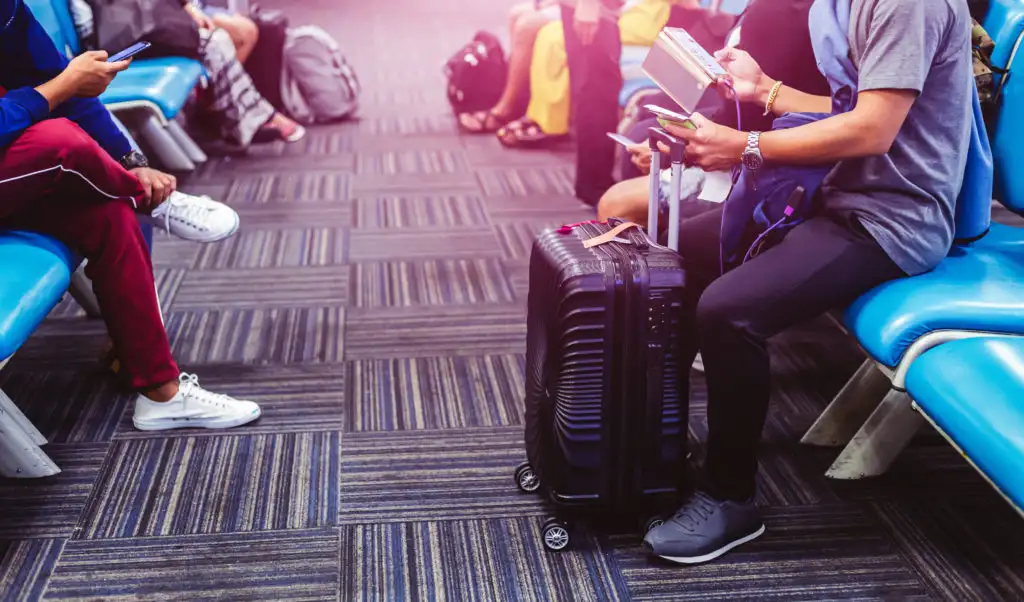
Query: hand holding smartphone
[667, 117]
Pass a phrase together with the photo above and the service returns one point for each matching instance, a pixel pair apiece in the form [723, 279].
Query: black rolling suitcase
[606, 421]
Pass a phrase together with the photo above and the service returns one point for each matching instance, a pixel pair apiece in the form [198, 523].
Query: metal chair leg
[81, 290]
[885, 434]
[167, 150]
[850, 408]
[20, 454]
[187, 144]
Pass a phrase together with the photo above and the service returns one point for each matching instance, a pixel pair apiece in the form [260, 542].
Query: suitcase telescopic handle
[677, 150]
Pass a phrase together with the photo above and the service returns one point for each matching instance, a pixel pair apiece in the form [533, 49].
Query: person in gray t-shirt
[885, 211]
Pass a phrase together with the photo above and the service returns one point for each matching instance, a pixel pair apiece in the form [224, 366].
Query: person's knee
[243, 30]
[62, 137]
[622, 202]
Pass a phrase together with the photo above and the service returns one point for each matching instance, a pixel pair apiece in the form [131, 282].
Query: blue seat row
[164, 83]
[922, 333]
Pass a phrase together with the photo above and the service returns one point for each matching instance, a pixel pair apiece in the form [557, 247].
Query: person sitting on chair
[884, 211]
[67, 171]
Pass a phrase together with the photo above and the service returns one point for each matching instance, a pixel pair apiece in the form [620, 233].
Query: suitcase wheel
[556, 535]
[526, 478]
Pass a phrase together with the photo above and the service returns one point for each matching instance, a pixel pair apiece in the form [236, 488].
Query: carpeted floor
[374, 304]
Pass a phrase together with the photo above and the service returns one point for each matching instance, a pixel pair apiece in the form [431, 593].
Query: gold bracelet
[771, 98]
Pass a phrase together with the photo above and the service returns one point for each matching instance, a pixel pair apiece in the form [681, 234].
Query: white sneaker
[195, 218]
[193, 407]
[698, 364]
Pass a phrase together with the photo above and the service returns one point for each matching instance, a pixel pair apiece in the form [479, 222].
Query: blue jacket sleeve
[18, 110]
[30, 59]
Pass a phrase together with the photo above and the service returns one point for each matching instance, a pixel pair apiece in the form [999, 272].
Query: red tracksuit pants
[56, 180]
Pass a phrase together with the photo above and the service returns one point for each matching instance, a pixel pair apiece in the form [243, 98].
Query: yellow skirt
[639, 25]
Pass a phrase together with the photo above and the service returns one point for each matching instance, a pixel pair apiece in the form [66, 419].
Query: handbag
[162, 23]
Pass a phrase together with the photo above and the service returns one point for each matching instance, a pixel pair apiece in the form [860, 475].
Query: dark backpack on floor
[476, 74]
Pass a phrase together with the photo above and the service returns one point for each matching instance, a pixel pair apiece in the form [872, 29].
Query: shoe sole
[184, 424]
[712, 555]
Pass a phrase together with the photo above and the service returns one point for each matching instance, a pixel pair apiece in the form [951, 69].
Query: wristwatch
[751, 157]
[133, 160]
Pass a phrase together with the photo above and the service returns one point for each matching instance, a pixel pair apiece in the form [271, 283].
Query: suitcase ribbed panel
[592, 433]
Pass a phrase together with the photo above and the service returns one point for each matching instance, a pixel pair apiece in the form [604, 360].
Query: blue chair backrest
[62, 9]
[974, 204]
[49, 17]
[1005, 23]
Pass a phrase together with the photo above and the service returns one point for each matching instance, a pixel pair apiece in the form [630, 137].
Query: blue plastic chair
[977, 290]
[972, 391]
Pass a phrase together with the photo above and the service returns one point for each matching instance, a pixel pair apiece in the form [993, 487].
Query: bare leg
[243, 31]
[626, 200]
[518, 84]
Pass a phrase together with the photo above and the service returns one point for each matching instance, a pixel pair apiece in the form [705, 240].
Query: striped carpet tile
[268, 287]
[290, 565]
[42, 508]
[433, 331]
[25, 567]
[405, 125]
[809, 553]
[58, 344]
[440, 243]
[274, 216]
[290, 187]
[275, 249]
[261, 336]
[435, 393]
[68, 406]
[549, 210]
[965, 549]
[293, 397]
[467, 561]
[433, 282]
[516, 239]
[434, 161]
[174, 253]
[418, 212]
[433, 475]
[526, 181]
[414, 184]
[193, 485]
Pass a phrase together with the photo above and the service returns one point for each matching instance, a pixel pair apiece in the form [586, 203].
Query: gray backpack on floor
[317, 84]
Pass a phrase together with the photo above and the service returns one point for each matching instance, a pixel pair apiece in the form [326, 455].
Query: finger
[683, 133]
[172, 184]
[698, 120]
[726, 55]
[147, 188]
[97, 55]
[119, 66]
[663, 147]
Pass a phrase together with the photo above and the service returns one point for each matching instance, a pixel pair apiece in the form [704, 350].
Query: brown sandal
[526, 134]
[487, 122]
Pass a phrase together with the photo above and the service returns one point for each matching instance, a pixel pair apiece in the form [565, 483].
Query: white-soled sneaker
[193, 407]
[195, 218]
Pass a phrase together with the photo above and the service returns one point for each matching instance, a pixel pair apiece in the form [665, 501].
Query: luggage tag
[611, 236]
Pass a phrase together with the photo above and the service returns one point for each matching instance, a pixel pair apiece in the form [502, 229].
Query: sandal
[525, 133]
[481, 122]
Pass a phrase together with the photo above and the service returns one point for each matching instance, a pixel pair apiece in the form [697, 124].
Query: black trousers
[824, 263]
[595, 79]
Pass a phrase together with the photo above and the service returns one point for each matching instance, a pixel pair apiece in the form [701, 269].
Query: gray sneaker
[704, 529]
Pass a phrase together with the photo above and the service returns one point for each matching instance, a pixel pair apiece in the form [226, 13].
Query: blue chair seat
[35, 271]
[978, 287]
[973, 390]
[166, 82]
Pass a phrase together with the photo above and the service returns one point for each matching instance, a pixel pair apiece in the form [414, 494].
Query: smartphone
[129, 52]
[622, 139]
[666, 117]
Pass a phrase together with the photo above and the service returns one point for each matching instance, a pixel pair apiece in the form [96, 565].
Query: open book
[682, 67]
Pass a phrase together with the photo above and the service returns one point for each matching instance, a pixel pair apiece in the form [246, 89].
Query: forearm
[57, 91]
[844, 136]
[95, 119]
[791, 100]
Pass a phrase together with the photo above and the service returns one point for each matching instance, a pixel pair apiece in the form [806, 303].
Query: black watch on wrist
[133, 160]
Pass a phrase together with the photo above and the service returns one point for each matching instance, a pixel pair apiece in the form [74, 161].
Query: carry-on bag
[606, 419]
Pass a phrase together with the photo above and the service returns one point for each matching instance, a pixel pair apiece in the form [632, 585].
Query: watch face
[752, 160]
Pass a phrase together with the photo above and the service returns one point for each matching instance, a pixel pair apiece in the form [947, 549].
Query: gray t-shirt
[906, 198]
